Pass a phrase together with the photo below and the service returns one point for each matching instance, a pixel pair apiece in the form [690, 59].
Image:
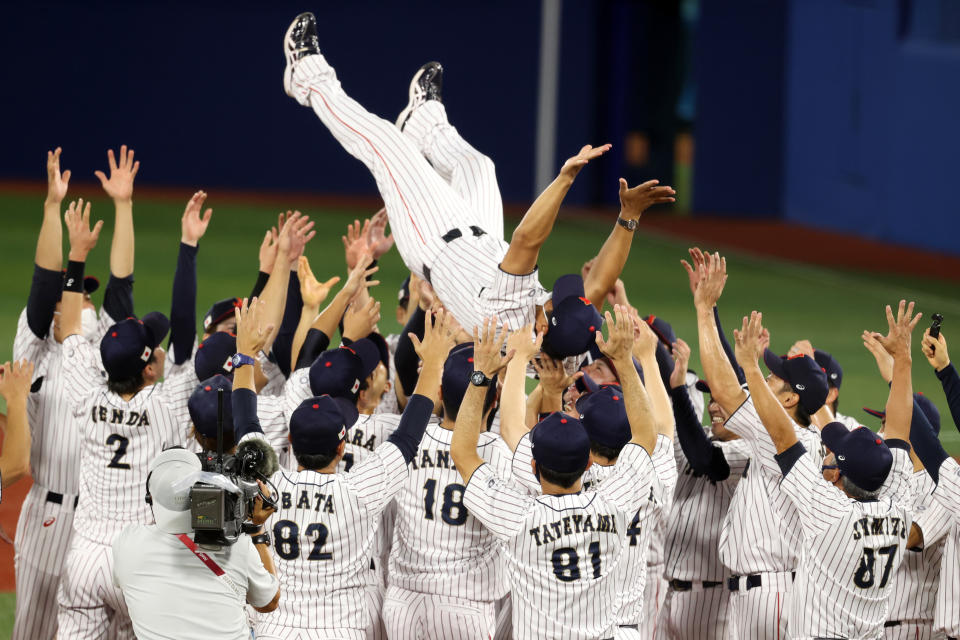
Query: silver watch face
[478, 378]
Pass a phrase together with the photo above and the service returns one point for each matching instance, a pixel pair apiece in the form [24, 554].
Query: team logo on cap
[799, 387]
[343, 433]
[228, 365]
[553, 320]
[207, 321]
[841, 457]
[355, 387]
[145, 356]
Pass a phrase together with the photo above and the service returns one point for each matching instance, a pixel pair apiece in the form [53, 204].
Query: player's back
[439, 547]
[846, 572]
[323, 536]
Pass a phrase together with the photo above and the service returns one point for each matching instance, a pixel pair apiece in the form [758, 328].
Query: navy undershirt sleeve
[260, 284]
[413, 423]
[45, 290]
[283, 343]
[183, 307]
[314, 344]
[118, 298]
[405, 359]
[788, 458]
[951, 386]
[704, 457]
[926, 444]
[245, 420]
[737, 369]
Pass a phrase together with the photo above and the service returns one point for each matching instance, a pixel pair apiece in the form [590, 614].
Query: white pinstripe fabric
[698, 614]
[90, 604]
[946, 613]
[947, 492]
[409, 615]
[757, 614]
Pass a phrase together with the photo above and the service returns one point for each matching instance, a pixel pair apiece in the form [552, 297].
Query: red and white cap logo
[145, 356]
[355, 387]
[343, 433]
[228, 365]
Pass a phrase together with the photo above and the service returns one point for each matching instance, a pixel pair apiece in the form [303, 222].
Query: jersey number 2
[864, 577]
[452, 510]
[121, 442]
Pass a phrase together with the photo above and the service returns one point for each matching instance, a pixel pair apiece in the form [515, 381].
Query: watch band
[480, 379]
[629, 225]
[240, 360]
[261, 538]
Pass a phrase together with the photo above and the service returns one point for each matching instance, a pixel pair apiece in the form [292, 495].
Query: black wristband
[372, 275]
[73, 280]
[261, 538]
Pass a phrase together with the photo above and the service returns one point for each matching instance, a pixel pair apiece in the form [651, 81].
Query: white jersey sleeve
[947, 492]
[521, 471]
[497, 503]
[933, 520]
[26, 344]
[820, 505]
[746, 423]
[628, 487]
[296, 389]
[378, 478]
[80, 371]
[273, 422]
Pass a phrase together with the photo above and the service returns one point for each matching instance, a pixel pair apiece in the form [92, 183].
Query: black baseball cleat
[426, 85]
[300, 41]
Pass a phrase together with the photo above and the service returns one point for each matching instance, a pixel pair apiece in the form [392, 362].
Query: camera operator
[172, 588]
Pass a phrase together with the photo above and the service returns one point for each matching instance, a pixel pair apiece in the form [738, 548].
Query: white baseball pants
[758, 614]
[697, 614]
[89, 601]
[418, 616]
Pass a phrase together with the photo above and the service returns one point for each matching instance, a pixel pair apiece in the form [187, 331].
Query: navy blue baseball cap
[340, 372]
[382, 349]
[805, 377]
[701, 385]
[830, 366]
[662, 329]
[586, 384]
[560, 443]
[203, 406]
[220, 311]
[455, 379]
[319, 424]
[403, 295]
[926, 405]
[861, 454]
[604, 416]
[214, 355]
[574, 320]
[128, 345]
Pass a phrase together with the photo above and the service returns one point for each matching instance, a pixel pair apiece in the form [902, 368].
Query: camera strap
[211, 564]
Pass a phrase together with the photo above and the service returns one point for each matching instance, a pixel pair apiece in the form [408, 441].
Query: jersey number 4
[286, 535]
[452, 510]
[864, 576]
[566, 562]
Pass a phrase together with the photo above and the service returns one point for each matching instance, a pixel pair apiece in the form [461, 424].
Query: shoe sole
[412, 101]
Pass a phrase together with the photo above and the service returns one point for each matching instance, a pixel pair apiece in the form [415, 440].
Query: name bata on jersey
[119, 416]
[569, 525]
[321, 500]
[885, 526]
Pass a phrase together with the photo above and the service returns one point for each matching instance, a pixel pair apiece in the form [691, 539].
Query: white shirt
[153, 569]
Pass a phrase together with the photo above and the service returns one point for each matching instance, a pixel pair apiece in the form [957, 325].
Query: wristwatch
[478, 379]
[239, 360]
[261, 538]
[629, 225]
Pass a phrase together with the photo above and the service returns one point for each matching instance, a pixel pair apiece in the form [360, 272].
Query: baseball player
[834, 373]
[434, 226]
[123, 422]
[853, 539]
[324, 529]
[446, 575]
[46, 517]
[565, 549]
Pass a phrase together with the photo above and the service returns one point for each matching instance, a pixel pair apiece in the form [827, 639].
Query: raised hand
[898, 338]
[15, 379]
[804, 347]
[712, 278]
[297, 231]
[645, 341]
[377, 239]
[355, 242]
[488, 347]
[439, 336]
[120, 184]
[587, 153]
[634, 201]
[268, 250]
[56, 182]
[681, 360]
[251, 334]
[748, 346]
[193, 225]
[935, 350]
[312, 291]
[619, 344]
[693, 272]
[359, 277]
[82, 238]
[553, 377]
[361, 320]
[524, 347]
[884, 359]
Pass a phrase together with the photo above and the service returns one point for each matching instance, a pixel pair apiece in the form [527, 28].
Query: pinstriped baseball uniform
[275, 421]
[323, 537]
[45, 525]
[947, 492]
[564, 553]
[445, 566]
[691, 546]
[755, 537]
[423, 208]
[914, 592]
[946, 615]
[851, 550]
[119, 439]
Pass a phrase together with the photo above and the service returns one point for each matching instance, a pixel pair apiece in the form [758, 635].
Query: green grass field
[829, 307]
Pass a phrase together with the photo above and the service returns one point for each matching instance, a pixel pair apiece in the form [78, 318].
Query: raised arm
[120, 188]
[15, 387]
[748, 349]
[313, 294]
[537, 223]
[618, 347]
[82, 240]
[183, 305]
[487, 358]
[554, 382]
[296, 232]
[253, 331]
[935, 350]
[513, 399]
[897, 343]
[718, 371]
[613, 255]
[646, 353]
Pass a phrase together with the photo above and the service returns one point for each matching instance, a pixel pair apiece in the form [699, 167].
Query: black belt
[755, 580]
[57, 498]
[635, 627]
[449, 237]
[687, 585]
